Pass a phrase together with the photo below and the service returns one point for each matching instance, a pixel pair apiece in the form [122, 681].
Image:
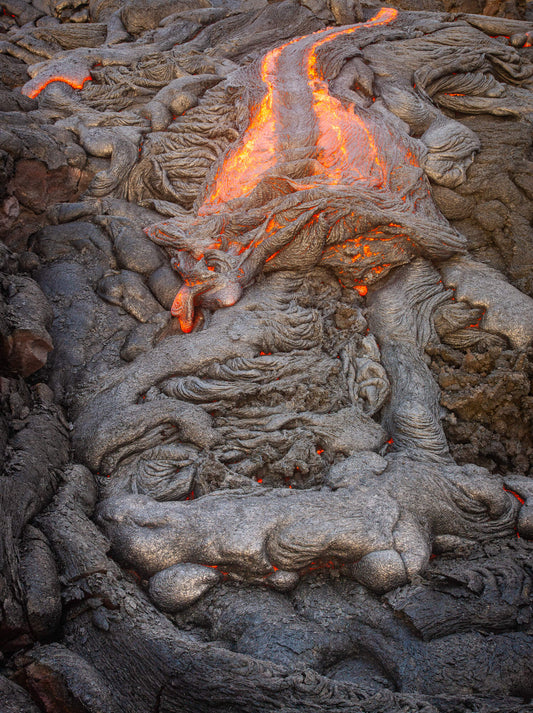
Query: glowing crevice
[72, 82]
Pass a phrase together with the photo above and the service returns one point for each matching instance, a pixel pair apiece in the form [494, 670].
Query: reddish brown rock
[37, 187]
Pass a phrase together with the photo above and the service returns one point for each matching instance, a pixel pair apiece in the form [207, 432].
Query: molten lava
[298, 111]
[314, 179]
[74, 82]
[258, 146]
[344, 157]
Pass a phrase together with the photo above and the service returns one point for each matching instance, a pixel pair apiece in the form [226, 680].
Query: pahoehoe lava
[266, 327]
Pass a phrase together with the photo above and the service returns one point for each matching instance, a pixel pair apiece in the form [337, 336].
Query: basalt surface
[266, 324]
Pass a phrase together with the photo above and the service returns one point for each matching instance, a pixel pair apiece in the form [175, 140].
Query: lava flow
[314, 179]
[73, 82]
[298, 113]
[75, 74]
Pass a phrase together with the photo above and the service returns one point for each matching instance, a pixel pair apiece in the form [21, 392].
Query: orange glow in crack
[75, 84]
[518, 497]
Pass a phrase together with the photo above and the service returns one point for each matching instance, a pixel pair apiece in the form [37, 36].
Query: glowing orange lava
[74, 83]
[512, 492]
[258, 143]
[299, 138]
[183, 310]
[343, 144]
[340, 125]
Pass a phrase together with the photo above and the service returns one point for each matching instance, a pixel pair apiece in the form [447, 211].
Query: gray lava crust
[266, 354]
